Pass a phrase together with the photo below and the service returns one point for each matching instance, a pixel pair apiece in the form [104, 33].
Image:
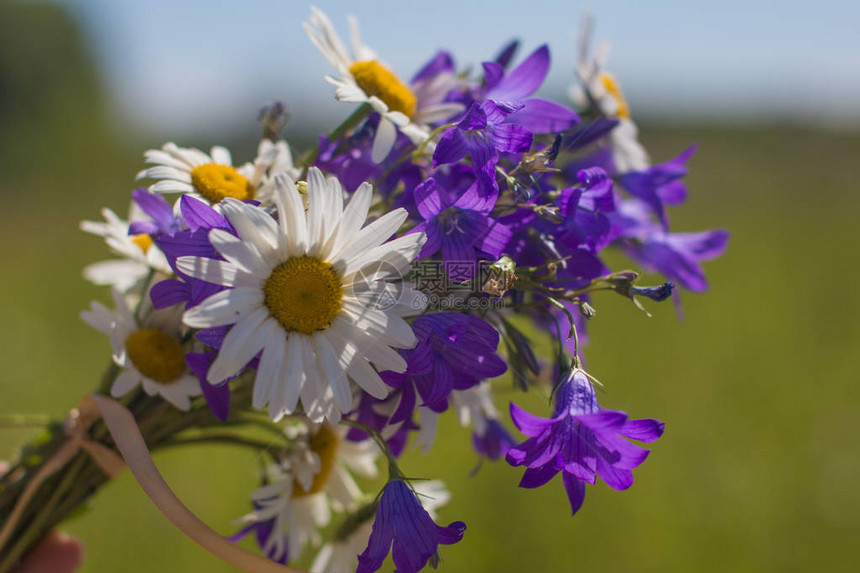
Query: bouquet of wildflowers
[327, 309]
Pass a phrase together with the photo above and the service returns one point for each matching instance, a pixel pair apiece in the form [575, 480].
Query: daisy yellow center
[143, 241]
[304, 294]
[324, 444]
[215, 182]
[156, 355]
[377, 80]
[611, 85]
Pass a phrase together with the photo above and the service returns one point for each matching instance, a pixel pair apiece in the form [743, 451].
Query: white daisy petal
[171, 186]
[223, 308]
[268, 372]
[372, 235]
[313, 401]
[395, 256]
[215, 272]
[383, 141]
[366, 377]
[354, 215]
[317, 207]
[125, 383]
[252, 224]
[294, 379]
[330, 366]
[241, 344]
[221, 155]
[243, 254]
[327, 40]
[383, 356]
[164, 158]
[392, 328]
[292, 210]
[165, 172]
[350, 92]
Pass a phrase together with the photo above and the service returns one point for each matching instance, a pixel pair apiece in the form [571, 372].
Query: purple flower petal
[197, 214]
[493, 74]
[575, 492]
[536, 477]
[441, 62]
[217, 397]
[169, 292]
[511, 138]
[452, 147]
[158, 209]
[644, 430]
[525, 79]
[142, 227]
[429, 199]
[506, 54]
[528, 423]
[544, 116]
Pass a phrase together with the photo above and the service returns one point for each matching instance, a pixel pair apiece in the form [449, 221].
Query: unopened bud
[273, 117]
[655, 293]
[549, 213]
[587, 310]
[502, 277]
[541, 160]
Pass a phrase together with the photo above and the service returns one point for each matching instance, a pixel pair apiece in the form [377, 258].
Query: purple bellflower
[581, 440]
[677, 256]
[403, 523]
[455, 351]
[584, 209]
[459, 226]
[494, 442]
[483, 134]
[660, 185]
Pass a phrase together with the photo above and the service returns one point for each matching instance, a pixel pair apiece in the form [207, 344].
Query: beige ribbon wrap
[130, 442]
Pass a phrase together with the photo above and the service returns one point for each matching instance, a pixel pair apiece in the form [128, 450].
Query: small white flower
[363, 79]
[150, 354]
[140, 254]
[212, 177]
[600, 88]
[316, 292]
[314, 480]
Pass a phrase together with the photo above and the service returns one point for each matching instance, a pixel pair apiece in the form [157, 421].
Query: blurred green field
[760, 464]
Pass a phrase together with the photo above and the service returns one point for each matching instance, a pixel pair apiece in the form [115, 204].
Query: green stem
[24, 421]
[219, 439]
[350, 122]
[393, 470]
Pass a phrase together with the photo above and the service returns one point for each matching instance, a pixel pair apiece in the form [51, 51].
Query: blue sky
[205, 66]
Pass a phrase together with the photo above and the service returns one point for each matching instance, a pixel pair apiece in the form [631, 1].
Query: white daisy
[140, 254]
[601, 89]
[213, 177]
[363, 79]
[341, 555]
[316, 292]
[314, 479]
[150, 353]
